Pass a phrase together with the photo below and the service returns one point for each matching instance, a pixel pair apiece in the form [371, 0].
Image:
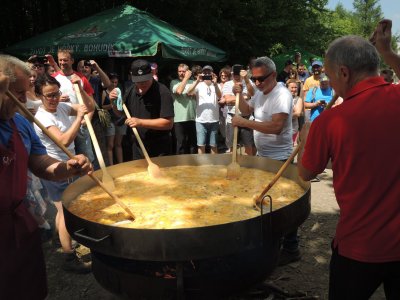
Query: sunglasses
[260, 79]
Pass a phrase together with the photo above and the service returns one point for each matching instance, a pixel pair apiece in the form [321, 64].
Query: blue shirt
[320, 94]
[29, 137]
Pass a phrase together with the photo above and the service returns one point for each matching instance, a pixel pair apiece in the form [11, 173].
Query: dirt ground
[306, 279]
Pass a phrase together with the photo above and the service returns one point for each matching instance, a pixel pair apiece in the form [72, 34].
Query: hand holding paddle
[152, 168]
[66, 151]
[258, 200]
[233, 169]
[108, 181]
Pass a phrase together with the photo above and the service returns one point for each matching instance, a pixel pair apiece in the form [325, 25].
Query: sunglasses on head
[260, 78]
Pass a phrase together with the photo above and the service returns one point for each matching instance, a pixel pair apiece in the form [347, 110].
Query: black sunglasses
[260, 78]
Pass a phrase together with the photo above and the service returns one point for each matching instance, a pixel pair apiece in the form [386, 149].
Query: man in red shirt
[360, 137]
[83, 143]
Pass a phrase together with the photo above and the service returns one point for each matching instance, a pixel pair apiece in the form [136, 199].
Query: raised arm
[68, 136]
[182, 85]
[382, 38]
[103, 76]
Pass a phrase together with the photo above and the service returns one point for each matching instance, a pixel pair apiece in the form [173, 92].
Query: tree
[367, 14]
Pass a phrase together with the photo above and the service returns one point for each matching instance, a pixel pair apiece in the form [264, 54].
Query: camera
[207, 77]
[237, 69]
[322, 101]
[87, 63]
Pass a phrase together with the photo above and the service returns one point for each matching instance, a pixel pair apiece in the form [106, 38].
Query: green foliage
[367, 13]
[243, 28]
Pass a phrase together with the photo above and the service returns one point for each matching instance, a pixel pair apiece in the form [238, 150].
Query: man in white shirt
[83, 143]
[272, 105]
[272, 108]
[207, 110]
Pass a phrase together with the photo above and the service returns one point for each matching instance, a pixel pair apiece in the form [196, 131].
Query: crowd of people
[197, 114]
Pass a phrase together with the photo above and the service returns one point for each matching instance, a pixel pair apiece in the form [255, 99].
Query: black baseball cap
[141, 70]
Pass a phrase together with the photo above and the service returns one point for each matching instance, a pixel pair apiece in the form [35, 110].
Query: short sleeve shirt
[67, 86]
[156, 103]
[184, 105]
[310, 83]
[227, 90]
[32, 142]
[61, 120]
[207, 110]
[279, 100]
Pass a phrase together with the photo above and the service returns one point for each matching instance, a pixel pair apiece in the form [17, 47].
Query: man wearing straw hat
[22, 267]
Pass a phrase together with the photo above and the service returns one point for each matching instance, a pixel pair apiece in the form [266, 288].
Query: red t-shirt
[361, 137]
[67, 88]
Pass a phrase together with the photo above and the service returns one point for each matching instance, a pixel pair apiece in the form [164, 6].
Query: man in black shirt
[151, 107]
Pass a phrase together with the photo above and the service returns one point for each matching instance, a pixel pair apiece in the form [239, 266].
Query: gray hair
[265, 61]
[8, 65]
[184, 66]
[354, 52]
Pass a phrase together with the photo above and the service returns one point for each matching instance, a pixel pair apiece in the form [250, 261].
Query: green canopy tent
[280, 59]
[124, 31]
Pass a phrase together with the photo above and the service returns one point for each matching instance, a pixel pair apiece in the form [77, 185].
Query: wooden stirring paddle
[258, 200]
[66, 151]
[233, 169]
[153, 169]
[107, 180]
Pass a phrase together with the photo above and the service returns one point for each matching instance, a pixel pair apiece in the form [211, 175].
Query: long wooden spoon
[258, 200]
[107, 180]
[153, 169]
[233, 169]
[66, 151]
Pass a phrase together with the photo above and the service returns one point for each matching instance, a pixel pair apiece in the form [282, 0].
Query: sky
[390, 10]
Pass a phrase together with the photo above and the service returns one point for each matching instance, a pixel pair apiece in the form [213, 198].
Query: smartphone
[237, 69]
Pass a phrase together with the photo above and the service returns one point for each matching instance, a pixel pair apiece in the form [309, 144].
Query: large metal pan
[188, 243]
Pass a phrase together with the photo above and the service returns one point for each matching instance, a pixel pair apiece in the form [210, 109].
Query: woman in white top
[33, 100]
[54, 115]
[292, 85]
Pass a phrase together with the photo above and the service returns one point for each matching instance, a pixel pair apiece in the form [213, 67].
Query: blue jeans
[207, 133]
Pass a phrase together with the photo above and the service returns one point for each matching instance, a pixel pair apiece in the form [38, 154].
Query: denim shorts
[115, 129]
[207, 133]
[55, 189]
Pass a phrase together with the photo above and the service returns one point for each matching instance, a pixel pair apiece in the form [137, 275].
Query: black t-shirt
[95, 82]
[282, 76]
[156, 103]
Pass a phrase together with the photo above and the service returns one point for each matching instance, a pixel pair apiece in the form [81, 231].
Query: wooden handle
[66, 151]
[279, 174]
[235, 130]
[31, 118]
[146, 155]
[89, 125]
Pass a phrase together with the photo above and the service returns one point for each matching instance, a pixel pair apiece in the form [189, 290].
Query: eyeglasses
[53, 95]
[260, 79]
